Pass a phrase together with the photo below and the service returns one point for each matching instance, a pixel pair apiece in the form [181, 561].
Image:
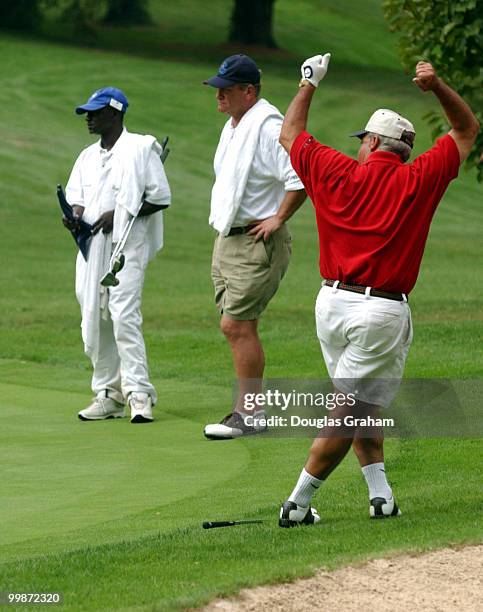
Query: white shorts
[365, 342]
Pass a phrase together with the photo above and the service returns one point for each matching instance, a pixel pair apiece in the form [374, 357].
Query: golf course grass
[109, 514]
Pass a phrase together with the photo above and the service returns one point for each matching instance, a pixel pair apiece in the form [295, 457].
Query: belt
[234, 231]
[399, 297]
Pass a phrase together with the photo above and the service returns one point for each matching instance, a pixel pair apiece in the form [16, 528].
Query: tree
[127, 12]
[251, 23]
[84, 15]
[80, 15]
[448, 34]
[19, 14]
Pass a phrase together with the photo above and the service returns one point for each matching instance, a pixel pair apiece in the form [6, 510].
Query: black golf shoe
[383, 508]
[292, 515]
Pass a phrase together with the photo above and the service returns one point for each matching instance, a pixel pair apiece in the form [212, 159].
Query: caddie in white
[116, 179]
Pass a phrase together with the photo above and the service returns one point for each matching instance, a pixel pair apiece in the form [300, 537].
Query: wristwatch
[304, 82]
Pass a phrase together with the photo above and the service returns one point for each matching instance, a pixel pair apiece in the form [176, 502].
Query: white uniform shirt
[270, 176]
[90, 184]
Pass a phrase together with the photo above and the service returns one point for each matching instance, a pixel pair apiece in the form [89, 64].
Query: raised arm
[464, 125]
[313, 71]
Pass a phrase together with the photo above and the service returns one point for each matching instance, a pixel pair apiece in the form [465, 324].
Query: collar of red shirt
[385, 157]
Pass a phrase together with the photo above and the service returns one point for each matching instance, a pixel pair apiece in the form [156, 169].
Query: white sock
[305, 488]
[375, 476]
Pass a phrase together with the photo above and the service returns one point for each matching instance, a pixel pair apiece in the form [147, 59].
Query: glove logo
[308, 72]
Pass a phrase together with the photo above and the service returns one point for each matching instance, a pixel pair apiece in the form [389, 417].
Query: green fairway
[56, 468]
[109, 513]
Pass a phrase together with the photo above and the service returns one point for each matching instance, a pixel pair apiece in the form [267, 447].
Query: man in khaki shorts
[255, 192]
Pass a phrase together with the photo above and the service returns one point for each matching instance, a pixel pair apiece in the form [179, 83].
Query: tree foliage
[127, 12]
[83, 15]
[19, 14]
[447, 34]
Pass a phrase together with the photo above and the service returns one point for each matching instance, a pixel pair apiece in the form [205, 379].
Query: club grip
[214, 524]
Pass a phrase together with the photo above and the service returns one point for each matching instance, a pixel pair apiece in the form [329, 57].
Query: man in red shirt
[373, 218]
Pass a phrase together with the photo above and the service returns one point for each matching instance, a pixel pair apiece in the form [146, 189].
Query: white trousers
[121, 364]
[365, 341]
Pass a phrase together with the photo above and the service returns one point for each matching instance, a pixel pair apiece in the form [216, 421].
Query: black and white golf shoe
[383, 508]
[235, 426]
[293, 515]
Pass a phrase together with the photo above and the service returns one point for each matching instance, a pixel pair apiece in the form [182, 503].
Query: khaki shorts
[246, 273]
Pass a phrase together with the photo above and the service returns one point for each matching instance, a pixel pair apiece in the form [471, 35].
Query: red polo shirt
[373, 218]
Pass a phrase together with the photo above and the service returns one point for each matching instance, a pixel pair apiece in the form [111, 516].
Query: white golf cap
[389, 123]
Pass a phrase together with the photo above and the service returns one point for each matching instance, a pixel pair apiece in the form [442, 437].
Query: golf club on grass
[215, 524]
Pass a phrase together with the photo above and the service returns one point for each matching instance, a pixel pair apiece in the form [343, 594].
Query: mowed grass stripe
[60, 473]
[189, 566]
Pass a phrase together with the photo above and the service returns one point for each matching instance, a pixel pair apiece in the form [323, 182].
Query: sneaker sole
[242, 435]
[140, 419]
[215, 437]
[386, 516]
[288, 523]
[395, 512]
[103, 418]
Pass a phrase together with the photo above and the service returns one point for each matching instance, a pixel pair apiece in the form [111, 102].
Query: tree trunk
[251, 23]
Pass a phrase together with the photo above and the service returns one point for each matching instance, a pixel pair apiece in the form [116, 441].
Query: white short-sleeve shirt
[270, 176]
[90, 183]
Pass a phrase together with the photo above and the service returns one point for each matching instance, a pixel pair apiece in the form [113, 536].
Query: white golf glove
[314, 68]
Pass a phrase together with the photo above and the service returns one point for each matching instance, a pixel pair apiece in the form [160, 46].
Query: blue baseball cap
[235, 69]
[107, 96]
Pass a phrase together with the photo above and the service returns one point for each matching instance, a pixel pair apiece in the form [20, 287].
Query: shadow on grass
[153, 42]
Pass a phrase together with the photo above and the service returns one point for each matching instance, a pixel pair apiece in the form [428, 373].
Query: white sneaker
[102, 408]
[234, 426]
[141, 408]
